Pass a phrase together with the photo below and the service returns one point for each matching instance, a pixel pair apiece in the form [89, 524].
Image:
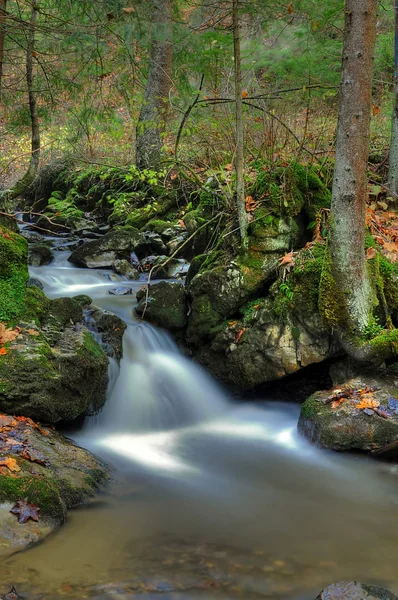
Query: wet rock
[36, 282]
[40, 254]
[32, 237]
[150, 243]
[103, 252]
[112, 329]
[83, 300]
[166, 305]
[120, 291]
[164, 267]
[46, 470]
[353, 590]
[123, 267]
[348, 424]
[53, 374]
[250, 352]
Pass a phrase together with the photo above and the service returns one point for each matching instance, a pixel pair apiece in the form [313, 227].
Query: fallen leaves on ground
[250, 204]
[383, 226]
[14, 439]
[362, 399]
[287, 260]
[10, 463]
[25, 511]
[8, 335]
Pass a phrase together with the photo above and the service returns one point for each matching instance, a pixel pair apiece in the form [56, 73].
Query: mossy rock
[353, 590]
[51, 472]
[116, 244]
[53, 382]
[345, 427]
[166, 305]
[139, 217]
[13, 274]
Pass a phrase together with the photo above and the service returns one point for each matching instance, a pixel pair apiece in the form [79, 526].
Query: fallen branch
[168, 259]
[15, 218]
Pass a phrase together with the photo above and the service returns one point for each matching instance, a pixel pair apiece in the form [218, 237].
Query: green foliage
[13, 274]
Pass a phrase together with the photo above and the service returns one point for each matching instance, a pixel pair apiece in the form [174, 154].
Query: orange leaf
[290, 8]
[287, 260]
[3, 351]
[337, 403]
[229, 167]
[10, 463]
[8, 335]
[375, 109]
[250, 204]
[370, 253]
[239, 334]
[181, 222]
[245, 94]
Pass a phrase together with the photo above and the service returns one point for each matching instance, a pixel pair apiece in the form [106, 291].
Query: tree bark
[3, 8]
[393, 163]
[347, 237]
[153, 115]
[239, 156]
[35, 157]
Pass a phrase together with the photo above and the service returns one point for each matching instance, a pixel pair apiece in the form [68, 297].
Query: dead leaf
[12, 594]
[370, 253]
[8, 335]
[290, 8]
[129, 9]
[239, 334]
[181, 222]
[32, 332]
[250, 204]
[10, 463]
[287, 259]
[3, 351]
[375, 110]
[336, 403]
[25, 511]
[229, 167]
[245, 94]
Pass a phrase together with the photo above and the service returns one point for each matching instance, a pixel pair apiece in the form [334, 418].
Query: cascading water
[210, 490]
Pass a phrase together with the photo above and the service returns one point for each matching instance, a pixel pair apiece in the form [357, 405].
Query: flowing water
[211, 498]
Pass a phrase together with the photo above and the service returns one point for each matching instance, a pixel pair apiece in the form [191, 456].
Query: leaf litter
[363, 400]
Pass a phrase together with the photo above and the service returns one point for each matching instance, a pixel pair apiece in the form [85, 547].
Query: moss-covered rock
[166, 305]
[13, 274]
[353, 590]
[51, 374]
[343, 426]
[50, 472]
[104, 251]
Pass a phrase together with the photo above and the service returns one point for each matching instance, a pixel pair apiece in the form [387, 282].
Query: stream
[210, 498]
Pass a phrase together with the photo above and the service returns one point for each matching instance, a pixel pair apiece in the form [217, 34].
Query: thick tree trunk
[393, 166]
[350, 183]
[153, 115]
[239, 156]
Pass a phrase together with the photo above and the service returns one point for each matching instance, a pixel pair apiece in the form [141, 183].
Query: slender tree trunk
[3, 8]
[347, 238]
[35, 158]
[393, 167]
[239, 156]
[153, 115]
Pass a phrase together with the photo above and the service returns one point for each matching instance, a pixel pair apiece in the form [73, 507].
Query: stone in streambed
[343, 426]
[103, 252]
[353, 590]
[123, 267]
[120, 291]
[46, 470]
[40, 254]
[166, 305]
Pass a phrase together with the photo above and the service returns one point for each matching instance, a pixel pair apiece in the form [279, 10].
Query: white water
[235, 476]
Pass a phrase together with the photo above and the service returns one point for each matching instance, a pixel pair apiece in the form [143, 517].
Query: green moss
[332, 305]
[157, 225]
[311, 407]
[13, 274]
[248, 309]
[35, 490]
[83, 300]
[92, 347]
[36, 304]
[389, 274]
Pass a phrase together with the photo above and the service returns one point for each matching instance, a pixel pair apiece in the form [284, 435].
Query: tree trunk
[393, 166]
[153, 115]
[3, 8]
[239, 156]
[347, 237]
[21, 186]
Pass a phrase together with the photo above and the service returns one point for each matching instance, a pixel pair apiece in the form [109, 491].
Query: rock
[150, 243]
[104, 251]
[343, 426]
[259, 349]
[83, 300]
[40, 254]
[46, 470]
[32, 237]
[53, 374]
[120, 291]
[126, 269]
[353, 590]
[36, 282]
[112, 329]
[166, 306]
[177, 268]
[278, 235]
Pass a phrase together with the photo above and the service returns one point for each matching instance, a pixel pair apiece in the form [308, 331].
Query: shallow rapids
[211, 498]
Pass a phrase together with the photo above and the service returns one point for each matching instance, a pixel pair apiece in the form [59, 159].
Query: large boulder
[259, 348]
[116, 244]
[42, 474]
[360, 415]
[123, 267]
[165, 305]
[13, 274]
[353, 590]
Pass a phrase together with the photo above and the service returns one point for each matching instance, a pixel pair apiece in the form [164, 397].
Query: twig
[185, 117]
[168, 259]
[11, 216]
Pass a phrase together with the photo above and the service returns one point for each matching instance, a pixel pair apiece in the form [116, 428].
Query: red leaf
[25, 511]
